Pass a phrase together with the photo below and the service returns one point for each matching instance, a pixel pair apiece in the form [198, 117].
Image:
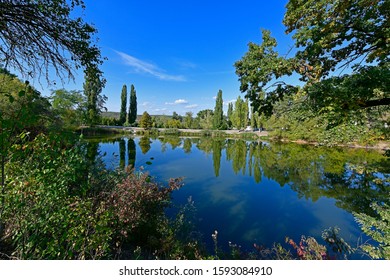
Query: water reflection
[122, 153]
[131, 152]
[144, 144]
[260, 191]
[354, 177]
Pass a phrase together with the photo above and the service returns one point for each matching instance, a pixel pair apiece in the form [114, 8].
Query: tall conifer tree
[122, 115]
[218, 112]
[133, 106]
[230, 114]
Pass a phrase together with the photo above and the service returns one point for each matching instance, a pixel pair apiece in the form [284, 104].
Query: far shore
[104, 129]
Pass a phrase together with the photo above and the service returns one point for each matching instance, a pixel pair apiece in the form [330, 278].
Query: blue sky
[178, 54]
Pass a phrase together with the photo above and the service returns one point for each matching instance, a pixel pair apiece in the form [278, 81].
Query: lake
[259, 192]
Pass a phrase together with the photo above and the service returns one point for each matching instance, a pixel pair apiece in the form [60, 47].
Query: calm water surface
[254, 192]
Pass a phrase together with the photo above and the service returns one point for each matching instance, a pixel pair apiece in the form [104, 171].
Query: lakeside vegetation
[58, 201]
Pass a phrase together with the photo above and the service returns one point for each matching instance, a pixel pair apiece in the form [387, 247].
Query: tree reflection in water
[353, 177]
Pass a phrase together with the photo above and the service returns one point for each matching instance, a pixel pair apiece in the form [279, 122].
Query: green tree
[259, 73]
[329, 36]
[145, 121]
[230, 114]
[240, 113]
[23, 111]
[188, 120]
[332, 34]
[40, 35]
[132, 116]
[173, 123]
[122, 114]
[70, 106]
[218, 112]
[93, 87]
[176, 116]
[205, 118]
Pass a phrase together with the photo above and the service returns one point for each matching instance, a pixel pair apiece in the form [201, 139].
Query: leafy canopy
[37, 36]
[334, 32]
[329, 36]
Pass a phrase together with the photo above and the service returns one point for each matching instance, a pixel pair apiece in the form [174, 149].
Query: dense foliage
[59, 204]
[342, 59]
[70, 106]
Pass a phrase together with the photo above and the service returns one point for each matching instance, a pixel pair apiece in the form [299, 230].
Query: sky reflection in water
[253, 192]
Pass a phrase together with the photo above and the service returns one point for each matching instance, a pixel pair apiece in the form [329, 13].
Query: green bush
[61, 203]
[47, 211]
[137, 204]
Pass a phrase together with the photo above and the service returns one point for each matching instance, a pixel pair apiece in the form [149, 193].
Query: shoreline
[250, 135]
[381, 145]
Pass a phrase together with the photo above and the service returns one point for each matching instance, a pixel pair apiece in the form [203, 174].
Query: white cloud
[145, 104]
[178, 101]
[181, 101]
[159, 110]
[148, 68]
[191, 106]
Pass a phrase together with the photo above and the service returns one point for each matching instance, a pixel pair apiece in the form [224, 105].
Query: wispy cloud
[185, 64]
[178, 101]
[192, 106]
[141, 66]
[160, 110]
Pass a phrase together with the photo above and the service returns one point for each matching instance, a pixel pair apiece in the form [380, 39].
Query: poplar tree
[132, 116]
[122, 116]
[218, 112]
[240, 113]
[230, 114]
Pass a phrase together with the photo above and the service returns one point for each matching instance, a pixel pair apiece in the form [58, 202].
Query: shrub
[61, 204]
[47, 211]
[138, 204]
